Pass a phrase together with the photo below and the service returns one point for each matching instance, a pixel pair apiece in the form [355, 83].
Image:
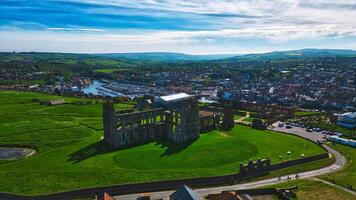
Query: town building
[347, 120]
[344, 141]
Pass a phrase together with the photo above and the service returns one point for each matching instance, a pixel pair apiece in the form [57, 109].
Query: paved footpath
[339, 163]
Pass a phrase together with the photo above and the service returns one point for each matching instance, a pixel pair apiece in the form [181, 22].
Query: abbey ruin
[175, 117]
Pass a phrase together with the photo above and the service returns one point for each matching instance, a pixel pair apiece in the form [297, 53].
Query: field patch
[72, 155]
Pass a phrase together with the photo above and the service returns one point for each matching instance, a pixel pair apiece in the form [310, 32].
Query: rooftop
[185, 193]
[175, 97]
[350, 115]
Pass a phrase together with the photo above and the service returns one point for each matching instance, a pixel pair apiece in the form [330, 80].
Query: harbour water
[97, 88]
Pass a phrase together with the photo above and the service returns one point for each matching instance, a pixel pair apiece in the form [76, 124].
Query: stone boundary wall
[292, 163]
[161, 185]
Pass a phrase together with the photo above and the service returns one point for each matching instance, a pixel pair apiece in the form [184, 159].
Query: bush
[258, 124]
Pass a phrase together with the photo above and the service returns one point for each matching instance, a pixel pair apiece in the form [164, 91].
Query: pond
[10, 153]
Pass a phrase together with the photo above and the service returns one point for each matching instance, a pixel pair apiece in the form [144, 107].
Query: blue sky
[189, 26]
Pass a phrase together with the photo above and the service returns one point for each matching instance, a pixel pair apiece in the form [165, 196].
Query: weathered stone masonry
[176, 120]
[134, 128]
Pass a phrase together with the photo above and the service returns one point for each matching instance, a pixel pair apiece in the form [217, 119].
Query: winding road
[339, 163]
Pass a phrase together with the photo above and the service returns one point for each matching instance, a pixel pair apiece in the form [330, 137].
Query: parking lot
[315, 136]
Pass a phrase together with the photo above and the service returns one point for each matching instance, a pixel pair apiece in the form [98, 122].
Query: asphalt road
[339, 163]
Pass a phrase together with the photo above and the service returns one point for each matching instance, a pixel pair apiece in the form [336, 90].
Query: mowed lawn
[347, 176]
[314, 190]
[71, 154]
[111, 70]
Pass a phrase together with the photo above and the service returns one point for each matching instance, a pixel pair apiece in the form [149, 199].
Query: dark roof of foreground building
[184, 193]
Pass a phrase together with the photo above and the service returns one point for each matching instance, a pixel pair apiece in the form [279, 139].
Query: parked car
[280, 125]
[317, 129]
[338, 134]
[288, 127]
[309, 130]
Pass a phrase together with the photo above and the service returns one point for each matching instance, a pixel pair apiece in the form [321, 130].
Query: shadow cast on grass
[172, 148]
[100, 147]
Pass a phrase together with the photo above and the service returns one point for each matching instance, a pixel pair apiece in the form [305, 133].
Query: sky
[186, 26]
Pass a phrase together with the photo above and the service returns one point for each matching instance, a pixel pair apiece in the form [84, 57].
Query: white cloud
[276, 34]
[277, 21]
[75, 29]
[269, 13]
[222, 41]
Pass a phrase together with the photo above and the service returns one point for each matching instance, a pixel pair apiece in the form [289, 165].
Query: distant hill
[119, 59]
[302, 53]
[165, 56]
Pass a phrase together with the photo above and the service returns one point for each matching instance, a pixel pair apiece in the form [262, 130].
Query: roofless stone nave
[175, 118]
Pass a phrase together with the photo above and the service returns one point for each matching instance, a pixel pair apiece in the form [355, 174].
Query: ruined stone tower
[228, 118]
[109, 120]
[185, 120]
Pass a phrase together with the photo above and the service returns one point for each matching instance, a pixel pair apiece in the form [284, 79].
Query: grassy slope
[348, 175]
[248, 119]
[315, 190]
[236, 117]
[72, 156]
[301, 113]
[110, 70]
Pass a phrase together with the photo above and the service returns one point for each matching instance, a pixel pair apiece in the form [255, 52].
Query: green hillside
[71, 154]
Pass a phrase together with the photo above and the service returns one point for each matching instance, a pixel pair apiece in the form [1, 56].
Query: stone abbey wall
[127, 129]
[209, 121]
[177, 121]
[185, 121]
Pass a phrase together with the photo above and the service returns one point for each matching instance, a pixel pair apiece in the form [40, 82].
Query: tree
[258, 124]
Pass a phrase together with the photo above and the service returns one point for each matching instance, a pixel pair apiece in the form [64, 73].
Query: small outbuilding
[52, 102]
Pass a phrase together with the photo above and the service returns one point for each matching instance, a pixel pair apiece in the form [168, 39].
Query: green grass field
[304, 112]
[250, 119]
[109, 70]
[71, 154]
[348, 174]
[315, 190]
[236, 117]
